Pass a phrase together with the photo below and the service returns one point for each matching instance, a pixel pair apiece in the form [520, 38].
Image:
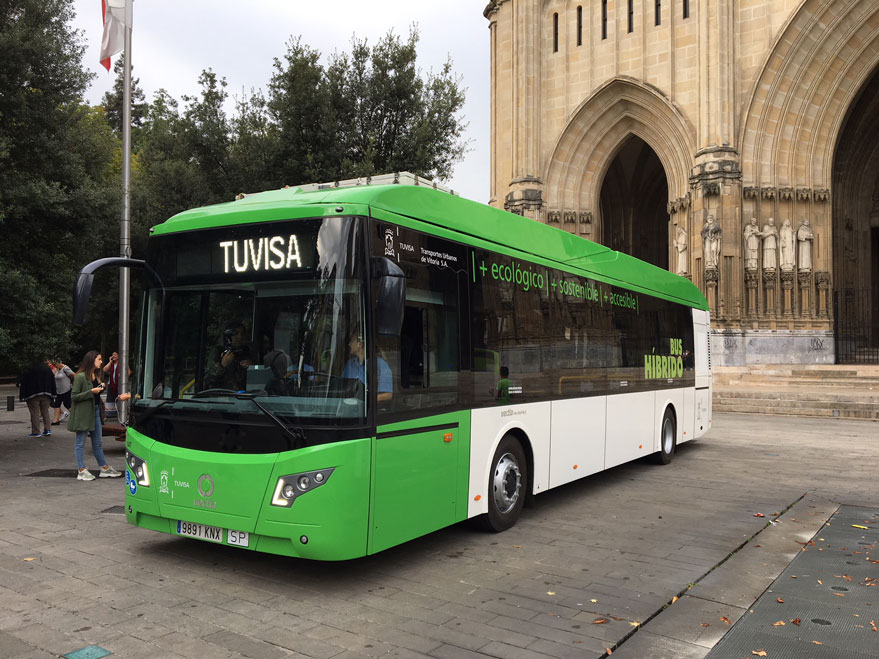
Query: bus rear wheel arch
[668, 437]
[508, 485]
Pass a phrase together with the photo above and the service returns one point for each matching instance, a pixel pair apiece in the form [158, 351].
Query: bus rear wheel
[507, 483]
[667, 438]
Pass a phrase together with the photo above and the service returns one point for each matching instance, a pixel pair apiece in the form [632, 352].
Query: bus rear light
[290, 487]
[139, 468]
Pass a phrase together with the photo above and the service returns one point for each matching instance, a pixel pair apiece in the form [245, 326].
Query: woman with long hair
[85, 417]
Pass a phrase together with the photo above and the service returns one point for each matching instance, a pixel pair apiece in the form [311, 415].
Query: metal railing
[856, 320]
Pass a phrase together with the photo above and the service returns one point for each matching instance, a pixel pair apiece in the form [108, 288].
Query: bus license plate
[212, 533]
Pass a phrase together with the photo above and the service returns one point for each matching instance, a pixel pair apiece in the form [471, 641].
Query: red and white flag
[117, 16]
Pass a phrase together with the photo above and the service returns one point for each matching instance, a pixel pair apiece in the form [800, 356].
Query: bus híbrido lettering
[329, 372]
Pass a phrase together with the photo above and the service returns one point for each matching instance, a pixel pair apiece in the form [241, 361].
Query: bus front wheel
[667, 438]
[507, 482]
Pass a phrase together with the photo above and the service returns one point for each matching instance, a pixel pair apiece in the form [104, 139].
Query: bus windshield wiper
[295, 435]
[152, 410]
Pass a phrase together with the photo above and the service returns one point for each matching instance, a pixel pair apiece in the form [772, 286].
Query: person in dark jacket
[85, 417]
[37, 388]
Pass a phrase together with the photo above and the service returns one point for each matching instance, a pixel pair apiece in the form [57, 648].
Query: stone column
[715, 183]
[711, 287]
[752, 278]
[526, 188]
[769, 281]
[806, 307]
[787, 287]
[822, 280]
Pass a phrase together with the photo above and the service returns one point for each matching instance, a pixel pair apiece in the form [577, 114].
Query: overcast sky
[174, 40]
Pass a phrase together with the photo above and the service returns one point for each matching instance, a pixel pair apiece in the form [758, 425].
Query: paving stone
[644, 645]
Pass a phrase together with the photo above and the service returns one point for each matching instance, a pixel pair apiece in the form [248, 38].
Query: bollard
[10, 403]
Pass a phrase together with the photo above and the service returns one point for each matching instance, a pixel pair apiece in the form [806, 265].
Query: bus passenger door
[418, 484]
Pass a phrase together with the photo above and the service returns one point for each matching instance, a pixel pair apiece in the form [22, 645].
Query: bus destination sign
[261, 254]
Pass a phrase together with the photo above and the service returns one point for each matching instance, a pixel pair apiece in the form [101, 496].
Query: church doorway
[855, 190]
[633, 204]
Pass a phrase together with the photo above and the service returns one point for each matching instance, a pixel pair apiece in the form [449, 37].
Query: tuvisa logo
[163, 482]
[261, 254]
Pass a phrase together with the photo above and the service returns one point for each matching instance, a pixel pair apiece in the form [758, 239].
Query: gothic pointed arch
[598, 129]
[815, 69]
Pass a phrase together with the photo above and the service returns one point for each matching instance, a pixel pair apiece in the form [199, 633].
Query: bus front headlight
[139, 468]
[290, 487]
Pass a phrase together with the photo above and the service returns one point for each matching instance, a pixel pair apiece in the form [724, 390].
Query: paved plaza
[645, 561]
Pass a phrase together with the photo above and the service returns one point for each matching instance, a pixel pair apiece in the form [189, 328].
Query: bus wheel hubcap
[506, 483]
[668, 436]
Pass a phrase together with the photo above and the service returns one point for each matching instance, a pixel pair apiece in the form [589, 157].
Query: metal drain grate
[115, 510]
[55, 473]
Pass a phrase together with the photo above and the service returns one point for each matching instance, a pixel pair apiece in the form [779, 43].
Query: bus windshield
[227, 332]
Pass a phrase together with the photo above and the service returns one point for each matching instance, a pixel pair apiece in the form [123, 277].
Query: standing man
[37, 387]
[111, 375]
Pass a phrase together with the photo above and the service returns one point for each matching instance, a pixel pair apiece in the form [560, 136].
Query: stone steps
[797, 390]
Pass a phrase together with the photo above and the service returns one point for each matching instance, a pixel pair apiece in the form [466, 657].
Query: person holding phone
[85, 417]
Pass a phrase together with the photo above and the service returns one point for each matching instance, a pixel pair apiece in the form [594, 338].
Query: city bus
[328, 371]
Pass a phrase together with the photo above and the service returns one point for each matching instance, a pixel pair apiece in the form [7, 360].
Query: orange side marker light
[447, 437]
[575, 466]
[477, 497]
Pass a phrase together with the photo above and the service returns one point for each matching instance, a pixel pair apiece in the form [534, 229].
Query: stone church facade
[735, 142]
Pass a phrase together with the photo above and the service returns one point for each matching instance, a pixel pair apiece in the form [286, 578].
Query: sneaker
[47, 433]
[35, 434]
[85, 475]
[64, 416]
[109, 472]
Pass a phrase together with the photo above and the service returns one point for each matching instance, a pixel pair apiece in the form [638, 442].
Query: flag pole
[125, 232]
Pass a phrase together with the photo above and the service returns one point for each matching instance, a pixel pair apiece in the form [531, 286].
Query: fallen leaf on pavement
[600, 621]
[704, 624]
[759, 653]
[817, 642]
[550, 592]
[635, 624]
[780, 623]
[595, 601]
[29, 559]
[780, 601]
[759, 515]
[796, 621]
[858, 526]
[726, 620]
[609, 651]
[873, 625]
[674, 599]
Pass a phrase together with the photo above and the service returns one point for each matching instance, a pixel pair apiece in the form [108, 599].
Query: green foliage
[58, 181]
[365, 112]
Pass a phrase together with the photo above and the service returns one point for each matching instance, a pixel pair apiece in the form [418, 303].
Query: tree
[57, 173]
[367, 113]
[112, 104]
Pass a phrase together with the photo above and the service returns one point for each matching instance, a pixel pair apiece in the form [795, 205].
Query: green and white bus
[329, 371]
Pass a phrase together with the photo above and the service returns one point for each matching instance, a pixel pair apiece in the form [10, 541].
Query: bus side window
[424, 359]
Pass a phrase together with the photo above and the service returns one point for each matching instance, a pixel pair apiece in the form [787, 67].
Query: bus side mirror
[390, 296]
[82, 287]
[82, 291]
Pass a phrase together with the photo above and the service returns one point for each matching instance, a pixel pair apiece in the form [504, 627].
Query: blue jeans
[96, 442]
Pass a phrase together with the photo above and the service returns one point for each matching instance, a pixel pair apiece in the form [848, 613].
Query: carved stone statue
[770, 245]
[786, 236]
[805, 236]
[681, 247]
[711, 234]
[752, 244]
